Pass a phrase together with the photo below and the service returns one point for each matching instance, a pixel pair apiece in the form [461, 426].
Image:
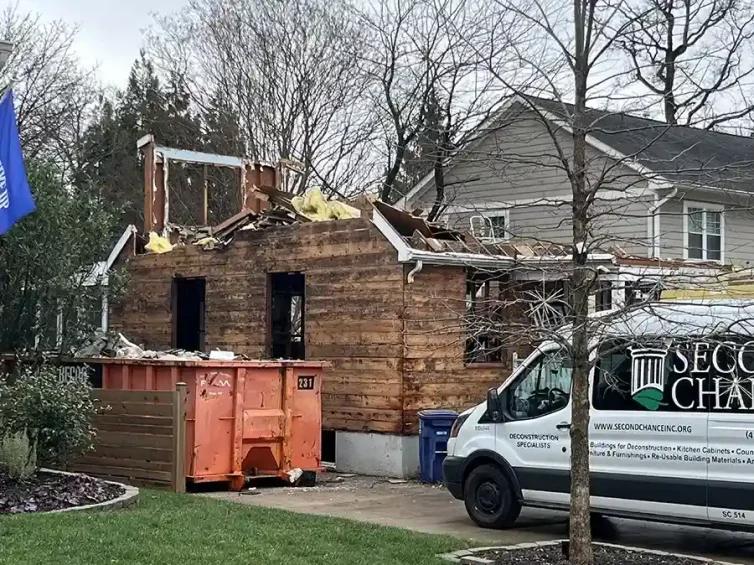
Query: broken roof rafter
[505, 257]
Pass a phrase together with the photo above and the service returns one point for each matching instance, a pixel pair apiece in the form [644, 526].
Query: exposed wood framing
[157, 158]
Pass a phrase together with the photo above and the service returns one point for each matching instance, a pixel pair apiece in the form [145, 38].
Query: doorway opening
[189, 314]
[286, 307]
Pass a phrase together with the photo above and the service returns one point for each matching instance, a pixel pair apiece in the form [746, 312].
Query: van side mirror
[494, 406]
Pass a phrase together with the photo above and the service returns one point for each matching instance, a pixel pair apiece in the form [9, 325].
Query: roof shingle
[678, 153]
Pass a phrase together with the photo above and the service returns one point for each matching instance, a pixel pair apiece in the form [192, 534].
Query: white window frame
[706, 207]
[504, 213]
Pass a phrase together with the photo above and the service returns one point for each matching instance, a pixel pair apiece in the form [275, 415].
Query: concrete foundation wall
[381, 455]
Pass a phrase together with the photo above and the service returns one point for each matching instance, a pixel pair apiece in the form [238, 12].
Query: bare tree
[694, 56]
[594, 30]
[544, 147]
[562, 55]
[54, 94]
[288, 72]
[429, 86]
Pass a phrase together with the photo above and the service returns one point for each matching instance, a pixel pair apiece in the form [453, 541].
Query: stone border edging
[125, 500]
[469, 557]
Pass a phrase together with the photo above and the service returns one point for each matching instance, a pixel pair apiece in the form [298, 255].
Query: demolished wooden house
[384, 297]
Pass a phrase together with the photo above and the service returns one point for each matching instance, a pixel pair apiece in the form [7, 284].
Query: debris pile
[283, 210]
[115, 345]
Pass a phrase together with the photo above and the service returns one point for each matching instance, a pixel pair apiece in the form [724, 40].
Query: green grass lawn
[169, 529]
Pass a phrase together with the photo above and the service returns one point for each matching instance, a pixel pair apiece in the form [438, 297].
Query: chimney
[258, 178]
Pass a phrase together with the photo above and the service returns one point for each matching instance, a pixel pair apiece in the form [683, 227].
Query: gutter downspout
[415, 271]
[654, 220]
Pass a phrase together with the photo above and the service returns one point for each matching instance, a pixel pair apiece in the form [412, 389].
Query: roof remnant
[405, 223]
[414, 237]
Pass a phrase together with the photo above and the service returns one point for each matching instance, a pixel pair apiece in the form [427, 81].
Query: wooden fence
[141, 437]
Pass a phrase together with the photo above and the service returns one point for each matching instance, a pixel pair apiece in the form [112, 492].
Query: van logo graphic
[648, 376]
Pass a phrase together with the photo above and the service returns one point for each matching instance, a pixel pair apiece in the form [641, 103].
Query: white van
[671, 424]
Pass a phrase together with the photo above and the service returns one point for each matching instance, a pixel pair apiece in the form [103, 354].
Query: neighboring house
[94, 287]
[669, 192]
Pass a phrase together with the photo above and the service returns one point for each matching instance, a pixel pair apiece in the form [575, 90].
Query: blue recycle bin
[434, 431]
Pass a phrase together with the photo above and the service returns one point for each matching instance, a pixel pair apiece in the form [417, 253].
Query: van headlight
[457, 425]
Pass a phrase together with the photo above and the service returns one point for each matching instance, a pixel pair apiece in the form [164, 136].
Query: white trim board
[98, 273]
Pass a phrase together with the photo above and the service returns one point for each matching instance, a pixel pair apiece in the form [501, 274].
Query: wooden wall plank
[137, 409]
[336, 401]
[133, 440]
[121, 463]
[102, 470]
[108, 418]
[135, 453]
[106, 426]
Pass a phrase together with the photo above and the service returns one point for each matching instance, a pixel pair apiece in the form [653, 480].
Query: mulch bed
[553, 555]
[51, 491]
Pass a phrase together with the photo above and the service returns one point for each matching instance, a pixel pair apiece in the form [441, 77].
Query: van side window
[545, 387]
[633, 376]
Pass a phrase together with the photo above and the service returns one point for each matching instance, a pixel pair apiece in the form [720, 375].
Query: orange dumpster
[243, 418]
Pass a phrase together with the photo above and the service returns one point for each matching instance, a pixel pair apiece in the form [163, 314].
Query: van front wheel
[489, 499]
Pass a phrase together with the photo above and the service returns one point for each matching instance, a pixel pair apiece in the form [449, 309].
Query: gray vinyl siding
[516, 166]
[738, 225]
[550, 222]
[618, 225]
[622, 225]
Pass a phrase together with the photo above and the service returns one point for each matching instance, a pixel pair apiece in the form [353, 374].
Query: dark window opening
[287, 315]
[189, 314]
[485, 312]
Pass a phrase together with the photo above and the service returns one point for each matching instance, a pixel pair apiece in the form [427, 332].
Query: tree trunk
[580, 530]
[668, 72]
[439, 173]
[394, 170]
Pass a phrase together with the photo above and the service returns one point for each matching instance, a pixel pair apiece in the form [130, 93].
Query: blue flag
[16, 200]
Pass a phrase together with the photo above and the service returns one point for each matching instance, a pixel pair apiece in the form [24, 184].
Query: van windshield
[543, 387]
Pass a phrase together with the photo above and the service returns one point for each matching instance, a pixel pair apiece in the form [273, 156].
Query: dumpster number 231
[306, 383]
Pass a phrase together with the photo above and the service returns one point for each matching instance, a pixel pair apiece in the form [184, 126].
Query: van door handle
[564, 426]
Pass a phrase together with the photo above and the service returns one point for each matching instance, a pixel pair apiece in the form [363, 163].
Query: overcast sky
[110, 31]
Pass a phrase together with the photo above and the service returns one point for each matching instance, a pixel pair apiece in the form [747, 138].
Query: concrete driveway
[431, 509]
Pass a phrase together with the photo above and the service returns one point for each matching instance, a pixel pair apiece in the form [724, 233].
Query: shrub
[17, 455]
[56, 415]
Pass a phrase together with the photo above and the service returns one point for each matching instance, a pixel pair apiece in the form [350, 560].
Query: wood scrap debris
[406, 224]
